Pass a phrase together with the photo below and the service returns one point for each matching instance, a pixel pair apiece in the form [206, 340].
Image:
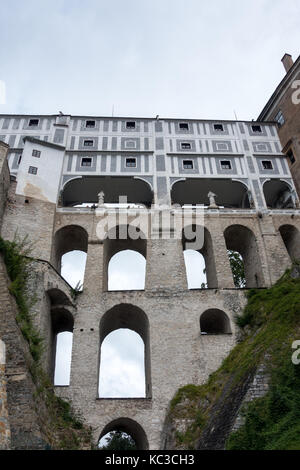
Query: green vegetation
[270, 323]
[63, 429]
[16, 258]
[237, 268]
[118, 440]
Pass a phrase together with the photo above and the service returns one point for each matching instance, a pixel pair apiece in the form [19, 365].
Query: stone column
[223, 268]
[275, 253]
[165, 265]
[94, 270]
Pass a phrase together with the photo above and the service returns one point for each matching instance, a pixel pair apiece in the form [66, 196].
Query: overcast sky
[212, 59]
[191, 59]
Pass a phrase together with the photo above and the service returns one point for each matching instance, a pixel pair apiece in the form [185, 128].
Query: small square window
[188, 164]
[279, 118]
[225, 165]
[36, 153]
[291, 156]
[185, 146]
[256, 129]
[183, 126]
[131, 162]
[218, 127]
[90, 124]
[32, 170]
[88, 143]
[267, 165]
[33, 122]
[130, 124]
[86, 162]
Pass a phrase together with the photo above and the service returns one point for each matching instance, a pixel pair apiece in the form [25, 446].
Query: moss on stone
[270, 323]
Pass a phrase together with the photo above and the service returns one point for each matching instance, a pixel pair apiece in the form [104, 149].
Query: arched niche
[279, 195]
[131, 427]
[198, 238]
[214, 322]
[241, 239]
[122, 238]
[128, 316]
[291, 238]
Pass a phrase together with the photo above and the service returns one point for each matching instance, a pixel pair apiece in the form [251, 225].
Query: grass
[64, 430]
[270, 323]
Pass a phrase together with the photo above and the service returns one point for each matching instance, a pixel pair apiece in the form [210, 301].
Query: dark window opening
[130, 162]
[90, 124]
[32, 170]
[188, 164]
[33, 122]
[279, 118]
[88, 143]
[267, 165]
[218, 127]
[184, 126]
[36, 153]
[130, 125]
[185, 146]
[86, 162]
[225, 165]
[20, 158]
[291, 156]
[256, 128]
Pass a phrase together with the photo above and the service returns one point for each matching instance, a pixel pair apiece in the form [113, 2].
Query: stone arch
[230, 193]
[60, 320]
[241, 239]
[214, 322]
[130, 427]
[66, 239]
[77, 191]
[133, 318]
[279, 194]
[198, 238]
[291, 238]
[119, 238]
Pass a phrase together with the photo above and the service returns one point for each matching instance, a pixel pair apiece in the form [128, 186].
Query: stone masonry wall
[4, 421]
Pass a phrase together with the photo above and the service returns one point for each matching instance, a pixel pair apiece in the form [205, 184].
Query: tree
[118, 440]
[237, 267]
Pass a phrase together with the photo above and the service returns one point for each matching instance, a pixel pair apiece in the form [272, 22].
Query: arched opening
[122, 274]
[62, 336]
[122, 365]
[241, 239]
[129, 427]
[227, 192]
[279, 195]
[125, 317]
[214, 322]
[291, 238]
[199, 257]
[195, 269]
[73, 268]
[69, 253]
[63, 356]
[86, 189]
[126, 271]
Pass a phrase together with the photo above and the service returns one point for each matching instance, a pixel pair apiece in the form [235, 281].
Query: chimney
[287, 61]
